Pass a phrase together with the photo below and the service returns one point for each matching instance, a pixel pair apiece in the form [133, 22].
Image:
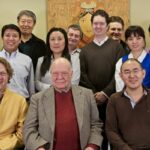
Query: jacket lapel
[79, 104]
[49, 107]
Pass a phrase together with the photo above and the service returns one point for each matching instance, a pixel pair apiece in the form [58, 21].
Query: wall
[139, 15]
[10, 8]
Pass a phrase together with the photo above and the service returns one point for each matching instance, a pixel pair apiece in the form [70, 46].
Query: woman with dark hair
[57, 46]
[135, 39]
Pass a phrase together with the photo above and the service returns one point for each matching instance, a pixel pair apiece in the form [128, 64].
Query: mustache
[115, 34]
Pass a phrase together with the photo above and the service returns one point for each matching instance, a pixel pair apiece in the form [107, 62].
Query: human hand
[100, 97]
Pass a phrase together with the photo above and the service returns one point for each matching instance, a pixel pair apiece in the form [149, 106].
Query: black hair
[135, 30]
[116, 19]
[49, 54]
[132, 60]
[76, 27]
[10, 26]
[28, 13]
[102, 13]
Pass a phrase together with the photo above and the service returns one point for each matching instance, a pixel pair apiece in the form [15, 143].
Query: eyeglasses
[63, 74]
[134, 71]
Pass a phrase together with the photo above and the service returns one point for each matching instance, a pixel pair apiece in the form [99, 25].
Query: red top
[66, 127]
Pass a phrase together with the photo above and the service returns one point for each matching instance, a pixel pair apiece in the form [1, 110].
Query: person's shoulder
[116, 96]
[82, 89]
[40, 59]
[24, 57]
[41, 94]
[37, 39]
[113, 42]
[85, 47]
[17, 96]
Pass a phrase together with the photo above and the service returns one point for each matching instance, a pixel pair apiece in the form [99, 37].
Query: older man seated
[63, 117]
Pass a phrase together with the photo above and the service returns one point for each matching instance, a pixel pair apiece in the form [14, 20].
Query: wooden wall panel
[62, 13]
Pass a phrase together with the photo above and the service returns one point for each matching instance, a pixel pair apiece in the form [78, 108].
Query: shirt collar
[77, 50]
[141, 57]
[123, 92]
[7, 55]
[133, 103]
[99, 43]
[64, 90]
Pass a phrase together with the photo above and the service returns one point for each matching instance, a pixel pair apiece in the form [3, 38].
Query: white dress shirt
[75, 61]
[22, 81]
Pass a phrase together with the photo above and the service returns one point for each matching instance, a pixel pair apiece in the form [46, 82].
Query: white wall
[9, 10]
[139, 15]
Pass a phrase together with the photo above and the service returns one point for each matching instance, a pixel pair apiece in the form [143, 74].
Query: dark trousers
[102, 115]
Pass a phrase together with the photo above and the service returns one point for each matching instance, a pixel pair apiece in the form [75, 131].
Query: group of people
[74, 98]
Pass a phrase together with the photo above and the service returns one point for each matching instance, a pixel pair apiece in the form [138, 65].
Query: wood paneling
[62, 13]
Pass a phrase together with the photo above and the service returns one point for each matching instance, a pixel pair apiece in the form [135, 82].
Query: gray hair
[59, 61]
[76, 27]
[27, 13]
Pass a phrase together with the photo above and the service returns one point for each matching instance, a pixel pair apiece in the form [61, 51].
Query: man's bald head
[60, 61]
[61, 72]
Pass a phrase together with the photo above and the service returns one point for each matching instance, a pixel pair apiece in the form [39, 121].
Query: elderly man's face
[61, 75]
[3, 77]
[26, 25]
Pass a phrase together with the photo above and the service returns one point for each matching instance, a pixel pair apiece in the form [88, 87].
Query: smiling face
[11, 40]
[26, 24]
[61, 74]
[115, 30]
[136, 43]
[57, 42]
[99, 26]
[73, 38]
[132, 74]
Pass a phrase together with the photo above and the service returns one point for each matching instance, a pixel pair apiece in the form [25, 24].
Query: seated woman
[135, 39]
[57, 46]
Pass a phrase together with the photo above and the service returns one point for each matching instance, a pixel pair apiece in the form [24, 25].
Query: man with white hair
[63, 116]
